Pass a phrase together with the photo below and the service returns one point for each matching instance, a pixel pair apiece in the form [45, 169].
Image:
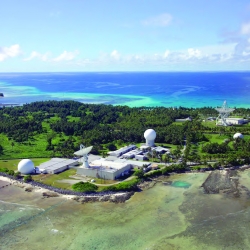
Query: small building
[235, 121]
[122, 151]
[160, 150]
[141, 157]
[183, 120]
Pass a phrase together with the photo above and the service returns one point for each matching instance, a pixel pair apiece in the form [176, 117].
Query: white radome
[26, 166]
[150, 134]
[238, 135]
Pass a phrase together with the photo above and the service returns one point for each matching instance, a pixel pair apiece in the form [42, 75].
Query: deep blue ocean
[169, 89]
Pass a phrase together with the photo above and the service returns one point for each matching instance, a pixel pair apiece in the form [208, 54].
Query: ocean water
[163, 217]
[135, 89]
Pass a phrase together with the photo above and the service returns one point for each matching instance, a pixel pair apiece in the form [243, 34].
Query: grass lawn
[209, 124]
[12, 164]
[102, 181]
[52, 179]
[216, 138]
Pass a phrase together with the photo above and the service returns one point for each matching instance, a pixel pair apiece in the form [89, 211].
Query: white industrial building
[232, 121]
[110, 169]
[236, 121]
[56, 165]
[104, 169]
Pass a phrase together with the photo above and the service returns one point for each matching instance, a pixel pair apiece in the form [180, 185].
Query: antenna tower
[224, 112]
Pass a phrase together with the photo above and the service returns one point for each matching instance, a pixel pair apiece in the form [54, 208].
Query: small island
[127, 149]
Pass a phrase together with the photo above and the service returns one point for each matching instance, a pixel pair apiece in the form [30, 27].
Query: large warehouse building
[56, 165]
[104, 169]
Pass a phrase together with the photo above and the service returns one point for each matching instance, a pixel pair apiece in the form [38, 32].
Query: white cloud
[115, 55]
[35, 54]
[161, 20]
[166, 54]
[12, 51]
[66, 56]
[194, 53]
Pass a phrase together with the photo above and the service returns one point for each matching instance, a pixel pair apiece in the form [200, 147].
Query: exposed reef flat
[225, 182]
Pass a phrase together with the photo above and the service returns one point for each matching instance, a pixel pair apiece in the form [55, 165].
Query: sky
[124, 35]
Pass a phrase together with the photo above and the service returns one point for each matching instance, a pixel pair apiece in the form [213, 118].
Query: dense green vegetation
[84, 187]
[130, 185]
[57, 128]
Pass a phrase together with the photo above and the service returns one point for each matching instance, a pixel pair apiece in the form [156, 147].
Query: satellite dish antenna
[84, 153]
[224, 112]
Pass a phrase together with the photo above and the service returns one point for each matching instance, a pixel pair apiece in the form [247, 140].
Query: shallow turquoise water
[181, 184]
[163, 217]
[168, 89]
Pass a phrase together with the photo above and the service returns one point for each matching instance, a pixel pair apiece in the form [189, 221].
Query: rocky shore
[115, 198]
[49, 191]
[225, 182]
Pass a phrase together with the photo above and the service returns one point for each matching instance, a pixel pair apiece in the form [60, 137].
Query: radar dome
[26, 166]
[150, 135]
[238, 135]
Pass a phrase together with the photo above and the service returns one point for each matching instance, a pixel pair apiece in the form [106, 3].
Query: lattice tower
[224, 112]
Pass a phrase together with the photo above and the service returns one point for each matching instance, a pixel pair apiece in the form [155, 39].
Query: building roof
[56, 163]
[121, 150]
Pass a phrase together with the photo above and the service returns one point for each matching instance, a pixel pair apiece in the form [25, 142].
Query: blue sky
[124, 35]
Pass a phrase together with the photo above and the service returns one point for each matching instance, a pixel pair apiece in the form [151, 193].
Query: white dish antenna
[83, 151]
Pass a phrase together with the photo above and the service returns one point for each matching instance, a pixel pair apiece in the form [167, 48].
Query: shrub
[11, 172]
[17, 175]
[139, 173]
[84, 187]
[123, 186]
[154, 173]
[27, 178]
[4, 170]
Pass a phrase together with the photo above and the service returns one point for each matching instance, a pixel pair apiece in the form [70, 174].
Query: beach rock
[115, 198]
[225, 182]
[167, 183]
[120, 198]
[50, 194]
[146, 185]
[28, 189]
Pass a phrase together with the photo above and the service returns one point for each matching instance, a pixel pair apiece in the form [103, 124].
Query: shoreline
[47, 191]
[83, 198]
